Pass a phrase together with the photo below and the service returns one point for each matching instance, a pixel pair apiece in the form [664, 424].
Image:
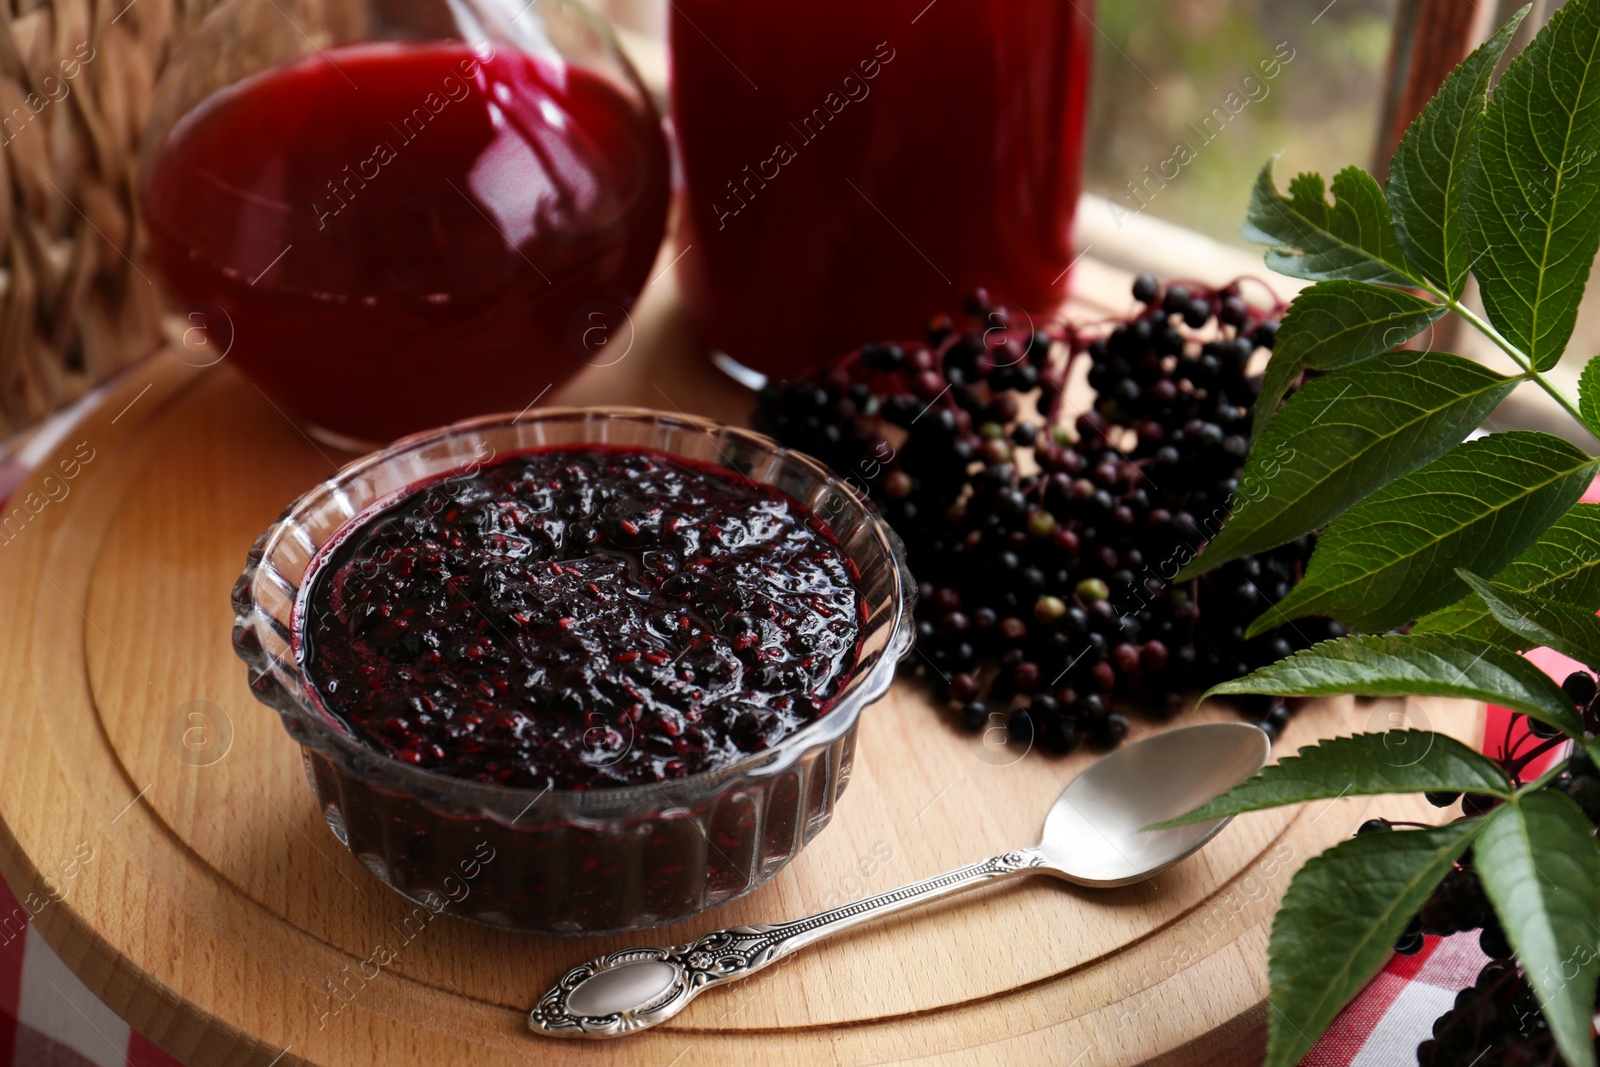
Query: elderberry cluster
[1045, 539]
[1497, 1022]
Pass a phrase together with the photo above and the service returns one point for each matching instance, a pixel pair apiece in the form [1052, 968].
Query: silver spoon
[1093, 836]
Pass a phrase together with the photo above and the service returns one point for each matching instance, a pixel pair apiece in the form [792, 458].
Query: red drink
[852, 168]
[404, 235]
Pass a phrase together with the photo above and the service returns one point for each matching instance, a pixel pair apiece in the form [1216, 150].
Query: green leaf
[1334, 324]
[1399, 761]
[1564, 563]
[1339, 922]
[1540, 866]
[1345, 435]
[1533, 185]
[1589, 395]
[1567, 628]
[1393, 556]
[1398, 665]
[1427, 176]
[1351, 238]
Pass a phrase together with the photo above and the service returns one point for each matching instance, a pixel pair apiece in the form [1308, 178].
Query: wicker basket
[77, 299]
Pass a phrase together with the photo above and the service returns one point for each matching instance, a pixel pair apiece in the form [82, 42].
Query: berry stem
[1516, 767]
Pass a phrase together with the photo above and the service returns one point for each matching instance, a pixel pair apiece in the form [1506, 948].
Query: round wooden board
[219, 916]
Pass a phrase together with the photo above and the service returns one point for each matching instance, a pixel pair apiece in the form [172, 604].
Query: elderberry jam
[457, 534]
[576, 618]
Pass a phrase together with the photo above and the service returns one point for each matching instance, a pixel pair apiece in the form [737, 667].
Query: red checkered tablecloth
[50, 1019]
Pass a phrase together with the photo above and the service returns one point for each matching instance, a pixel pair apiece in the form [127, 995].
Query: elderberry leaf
[1564, 563]
[1351, 238]
[1345, 435]
[1396, 665]
[1397, 761]
[1339, 922]
[1427, 176]
[1567, 628]
[1533, 185]
[1540, 866]
[1394, 555]
[1334, 324]
[1589, 395]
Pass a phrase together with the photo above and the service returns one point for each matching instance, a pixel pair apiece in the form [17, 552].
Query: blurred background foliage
[1161, 66]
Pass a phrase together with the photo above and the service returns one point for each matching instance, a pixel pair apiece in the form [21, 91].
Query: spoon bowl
[1094, 834]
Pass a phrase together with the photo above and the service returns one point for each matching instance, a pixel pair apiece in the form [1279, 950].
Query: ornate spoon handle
[636, 988]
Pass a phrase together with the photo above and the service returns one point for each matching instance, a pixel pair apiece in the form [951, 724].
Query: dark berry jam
[578, 618]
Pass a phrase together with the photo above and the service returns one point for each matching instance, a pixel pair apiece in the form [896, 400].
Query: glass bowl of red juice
[393, 215]
[569, 861]
[850, 169]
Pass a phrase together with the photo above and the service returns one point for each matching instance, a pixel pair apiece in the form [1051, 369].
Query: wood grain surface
[217, 914]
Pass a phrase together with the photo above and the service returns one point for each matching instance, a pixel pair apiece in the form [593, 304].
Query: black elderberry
[1542, 730]
[1492, 939]
[1019, 727]
[1276, 720]
[1112, 730]
[975, 715]
[1409, 942]
[1234, 311]
[1058, 735]
[1580, 686]
[1176, 300]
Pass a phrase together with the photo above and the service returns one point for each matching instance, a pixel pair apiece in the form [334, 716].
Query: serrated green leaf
[1334, 324]
[1339, 922]
[1344, 436]
[1589, 395]
[1567, 628]
[1351, 238]
[1540, 867]
[1533, 185]
[1564, 563]
[1398, 761]
[1397, 665]
[1428, 173]
[1394, 555]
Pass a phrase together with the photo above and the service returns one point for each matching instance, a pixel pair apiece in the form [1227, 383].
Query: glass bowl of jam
[580, 671]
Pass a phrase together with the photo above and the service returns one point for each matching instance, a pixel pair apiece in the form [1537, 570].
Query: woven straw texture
[77, 299]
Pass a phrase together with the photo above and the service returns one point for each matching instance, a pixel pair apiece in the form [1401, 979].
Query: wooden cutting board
[188, 878]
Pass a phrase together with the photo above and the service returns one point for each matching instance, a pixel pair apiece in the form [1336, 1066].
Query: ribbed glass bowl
[569, 862]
